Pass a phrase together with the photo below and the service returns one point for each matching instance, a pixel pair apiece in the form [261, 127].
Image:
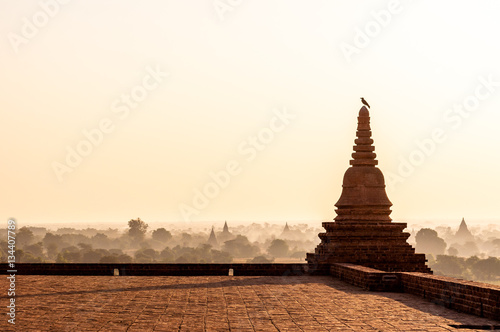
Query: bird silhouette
[365, 102]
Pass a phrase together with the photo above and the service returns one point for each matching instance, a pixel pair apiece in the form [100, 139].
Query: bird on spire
[365, 102]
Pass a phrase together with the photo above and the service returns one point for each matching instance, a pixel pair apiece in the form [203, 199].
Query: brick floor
[211, 303]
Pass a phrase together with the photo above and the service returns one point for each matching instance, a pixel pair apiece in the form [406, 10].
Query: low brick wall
[157, 269]
[471, 297]
[365, 277]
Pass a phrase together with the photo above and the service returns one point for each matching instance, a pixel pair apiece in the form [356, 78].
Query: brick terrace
[218, 303]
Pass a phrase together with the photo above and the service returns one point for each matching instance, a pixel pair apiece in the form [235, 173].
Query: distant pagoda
[286, 230]
[463, 234]
[225, 229]
[212, 239]
[363, 232]
[225, 235]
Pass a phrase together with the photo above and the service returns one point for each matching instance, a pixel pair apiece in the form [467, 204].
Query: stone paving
[214, 303]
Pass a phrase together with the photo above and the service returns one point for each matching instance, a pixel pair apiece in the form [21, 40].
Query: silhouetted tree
[428, 241]
[51, 240]
[26, 257]
[449, 265]
[278, 248]
[146, 255]
[92, 256]
[24, 237]
[52, 250]
[137, 229]
[167, 255]
[486, 269]
[100, 240]
[241, 247]
[35, 249]
[69, 255]
[221, 256]
[161, 234]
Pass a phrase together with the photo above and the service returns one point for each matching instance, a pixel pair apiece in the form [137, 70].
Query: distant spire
[212, 239]
[463, 234]
[286, 229]
[363, 150]
[225, 229]
[463, 227]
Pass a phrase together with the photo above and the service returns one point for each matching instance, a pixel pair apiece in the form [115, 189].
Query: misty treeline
[470, 268]
[259, 243]
[461, 254]
[474, 256]
[443, 240]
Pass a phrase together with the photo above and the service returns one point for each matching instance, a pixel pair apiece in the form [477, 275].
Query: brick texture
[218, 303]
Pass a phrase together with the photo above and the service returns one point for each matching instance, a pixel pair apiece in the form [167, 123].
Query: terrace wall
[470, 297]
[157, 269]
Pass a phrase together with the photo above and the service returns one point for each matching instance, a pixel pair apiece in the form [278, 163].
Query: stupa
[363, 233]
[463, 234]
[212, 239]
[225, 235]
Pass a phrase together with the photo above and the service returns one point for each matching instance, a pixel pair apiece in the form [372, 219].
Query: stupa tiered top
[363, 150]
[363, 189]
[363, 232]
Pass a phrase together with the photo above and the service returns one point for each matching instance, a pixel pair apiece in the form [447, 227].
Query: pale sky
[121, 109]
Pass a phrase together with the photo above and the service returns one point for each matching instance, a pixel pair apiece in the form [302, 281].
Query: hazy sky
[245, 110]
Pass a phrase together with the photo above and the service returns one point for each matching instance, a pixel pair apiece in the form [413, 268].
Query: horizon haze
[245, 111]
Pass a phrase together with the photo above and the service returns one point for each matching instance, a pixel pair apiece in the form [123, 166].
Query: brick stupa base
[363, 232]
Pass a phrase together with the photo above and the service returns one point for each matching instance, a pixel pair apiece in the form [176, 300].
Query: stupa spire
[212, 239]
[363, 197]
[463, 234]
[363, 150]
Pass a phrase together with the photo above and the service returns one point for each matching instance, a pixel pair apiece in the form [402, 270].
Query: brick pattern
[366, 277]
[218, 303]
[470, 297]
[464, 296]
[382, 246]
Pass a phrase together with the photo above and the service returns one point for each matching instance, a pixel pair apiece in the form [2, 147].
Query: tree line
[136, 245]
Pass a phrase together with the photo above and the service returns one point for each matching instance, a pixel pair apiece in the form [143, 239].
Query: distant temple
[362, 232]
[212, 239]
[286, 231]
[225, 235]
[463, 234]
